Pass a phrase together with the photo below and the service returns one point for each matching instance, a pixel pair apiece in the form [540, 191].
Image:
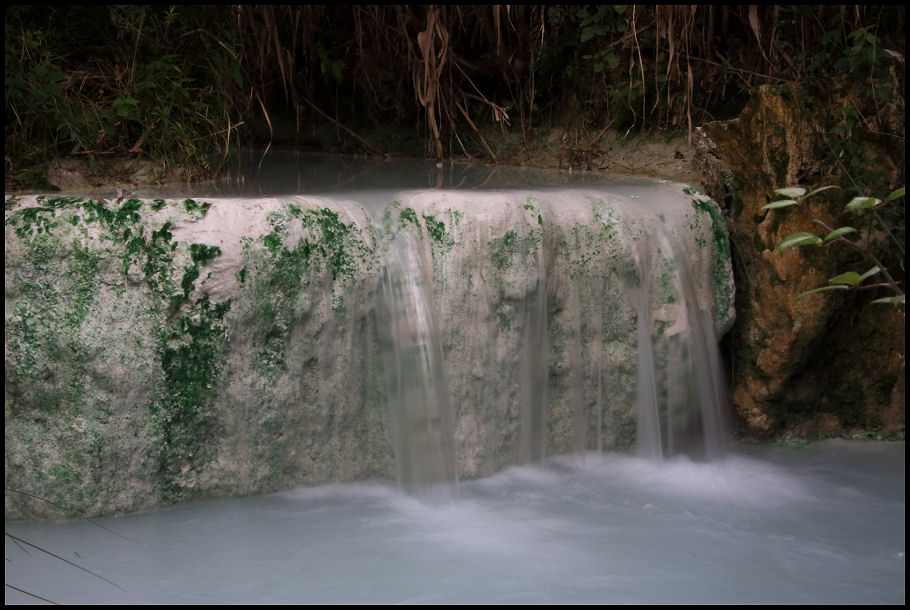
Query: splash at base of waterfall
[818, 524]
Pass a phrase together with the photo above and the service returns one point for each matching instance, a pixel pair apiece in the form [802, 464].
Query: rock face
[159, 350]
[823, 364]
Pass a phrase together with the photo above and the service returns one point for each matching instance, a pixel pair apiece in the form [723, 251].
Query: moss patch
[191, 353]
[723, 283]
[84, 331]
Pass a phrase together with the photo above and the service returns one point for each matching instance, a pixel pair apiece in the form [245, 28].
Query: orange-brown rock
[827, 363]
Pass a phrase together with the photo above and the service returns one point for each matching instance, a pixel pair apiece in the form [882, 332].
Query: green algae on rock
[163, 350]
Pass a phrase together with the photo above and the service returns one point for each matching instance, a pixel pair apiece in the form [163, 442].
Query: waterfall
[533, 363]
[419, 412]
[681, 386]
[648, 427]
[432, 334]
[678, 386]
[702, 368]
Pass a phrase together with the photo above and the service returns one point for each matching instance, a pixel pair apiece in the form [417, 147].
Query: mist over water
[668, 524]
[816, 524]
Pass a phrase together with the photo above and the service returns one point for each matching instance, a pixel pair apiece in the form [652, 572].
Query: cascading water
[507, 335]
[682, 399]
[534, 370]
[418, 392]
[649, 433]
[701, 370]
[514, 326]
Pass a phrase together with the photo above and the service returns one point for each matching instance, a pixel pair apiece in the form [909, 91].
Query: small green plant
[864, 208]
[121, 80]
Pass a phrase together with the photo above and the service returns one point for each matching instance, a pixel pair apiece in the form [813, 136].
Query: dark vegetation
[191, 84]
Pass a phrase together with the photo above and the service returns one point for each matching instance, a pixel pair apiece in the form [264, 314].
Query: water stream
[817, 524]
[421, 417]
[688, 517]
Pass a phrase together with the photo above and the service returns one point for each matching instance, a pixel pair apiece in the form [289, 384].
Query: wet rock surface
[160, 350]
[820, 365]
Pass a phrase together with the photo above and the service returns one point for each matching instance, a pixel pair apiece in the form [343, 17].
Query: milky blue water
[817, 524]
[822, 523]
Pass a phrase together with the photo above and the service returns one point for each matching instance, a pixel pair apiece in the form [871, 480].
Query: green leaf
[851, 278]
[799, 239]
[819, 190]
[236, 75]
[792, 191]
[898, 193]
[782, 203]
[822, 289]
[898, 300]
[126, 106]
[862, 203]
[837, 233]
[870, 273]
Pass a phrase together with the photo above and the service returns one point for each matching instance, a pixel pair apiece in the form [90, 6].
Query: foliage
[132, 79]
[875, 77]
[863, 208]
[669, 66]
[181, 82]
[635, 63]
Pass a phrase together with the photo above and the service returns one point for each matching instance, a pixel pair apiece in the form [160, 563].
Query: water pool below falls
[822, 524]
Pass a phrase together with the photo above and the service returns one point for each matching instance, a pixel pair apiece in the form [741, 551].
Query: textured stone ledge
[160, 350]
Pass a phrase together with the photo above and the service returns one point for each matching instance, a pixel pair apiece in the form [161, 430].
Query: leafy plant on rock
[860, 239]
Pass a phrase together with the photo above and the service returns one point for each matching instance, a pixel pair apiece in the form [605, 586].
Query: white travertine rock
[163, 350]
